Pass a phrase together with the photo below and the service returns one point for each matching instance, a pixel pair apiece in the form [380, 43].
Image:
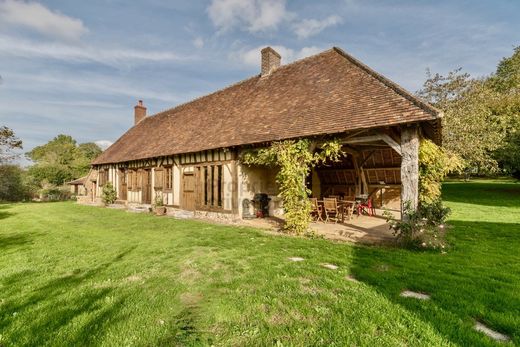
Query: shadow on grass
[58, 303]
[4, 213]
[483, 193]
[478, 279]
[15, 240]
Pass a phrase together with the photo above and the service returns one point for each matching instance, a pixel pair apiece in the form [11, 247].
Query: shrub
[434, 164]
[109, 194]
[424, 227]
[53, 193]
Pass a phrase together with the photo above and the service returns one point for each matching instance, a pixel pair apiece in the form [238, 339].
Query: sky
[79, 67]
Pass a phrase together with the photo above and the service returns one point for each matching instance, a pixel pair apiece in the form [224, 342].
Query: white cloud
[310, 27]
[251, 15]
[80, 53]
[251, 57]
[39, 18]
[198, 42]
[103, 144]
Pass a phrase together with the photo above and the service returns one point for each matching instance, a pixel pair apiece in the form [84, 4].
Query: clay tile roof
[78, 181]
[330, 92]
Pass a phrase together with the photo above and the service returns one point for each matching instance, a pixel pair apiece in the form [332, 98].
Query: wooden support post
[409, 167]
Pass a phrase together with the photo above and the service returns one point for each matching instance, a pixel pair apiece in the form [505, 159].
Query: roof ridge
[181, 105]
[390, 84]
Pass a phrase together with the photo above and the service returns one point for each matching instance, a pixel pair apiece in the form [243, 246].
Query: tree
[12, 184]
[61, 160]
[8, 143]
[473, 125]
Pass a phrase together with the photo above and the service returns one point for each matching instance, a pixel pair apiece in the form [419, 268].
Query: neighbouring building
[189, 155]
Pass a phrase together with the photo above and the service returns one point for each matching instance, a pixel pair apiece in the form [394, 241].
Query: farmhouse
[189, 156]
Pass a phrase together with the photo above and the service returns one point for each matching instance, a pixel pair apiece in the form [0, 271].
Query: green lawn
[76, 275]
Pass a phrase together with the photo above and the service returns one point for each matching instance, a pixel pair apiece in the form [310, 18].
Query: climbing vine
[294, 160]
[434, 164]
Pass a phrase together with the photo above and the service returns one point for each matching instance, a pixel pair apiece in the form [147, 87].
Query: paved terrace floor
[362, 229]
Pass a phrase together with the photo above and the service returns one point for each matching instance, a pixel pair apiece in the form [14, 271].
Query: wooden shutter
[158, 178]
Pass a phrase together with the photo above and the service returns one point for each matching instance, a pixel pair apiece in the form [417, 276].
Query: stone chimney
[270, 60]
[139, 112]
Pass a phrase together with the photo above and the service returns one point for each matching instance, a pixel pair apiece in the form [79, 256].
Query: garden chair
[316, 210]
[366, 207]
[332, 211]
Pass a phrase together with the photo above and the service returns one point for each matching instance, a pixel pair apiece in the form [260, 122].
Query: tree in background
[8, 143]
[481, 116]
[61, 160]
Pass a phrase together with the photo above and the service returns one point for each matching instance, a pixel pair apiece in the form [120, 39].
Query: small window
[168, 183]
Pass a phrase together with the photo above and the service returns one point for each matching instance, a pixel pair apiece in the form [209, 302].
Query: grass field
[75, 275]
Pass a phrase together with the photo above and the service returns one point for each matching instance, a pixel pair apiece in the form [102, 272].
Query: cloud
[310, 27]
[103, 144]
[39, 18]
[80, 53]
[251, 57]
[198, 42]
[251, 15]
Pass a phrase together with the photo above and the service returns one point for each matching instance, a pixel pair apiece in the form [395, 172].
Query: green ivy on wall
[294, 160]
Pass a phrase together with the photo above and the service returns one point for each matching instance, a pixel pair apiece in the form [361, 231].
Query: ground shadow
[15, 240]
[52, 306]
[473, 281]
[4, 213]
[483, 193]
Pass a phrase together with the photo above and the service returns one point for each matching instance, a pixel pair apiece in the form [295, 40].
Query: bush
[109, 194]
[53, 193]
[421, 228]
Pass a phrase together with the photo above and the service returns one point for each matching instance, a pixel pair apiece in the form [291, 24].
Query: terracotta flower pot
[160, 210]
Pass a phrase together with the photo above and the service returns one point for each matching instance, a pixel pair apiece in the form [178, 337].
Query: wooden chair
[348, 209]
[332, 211]
[316, 210]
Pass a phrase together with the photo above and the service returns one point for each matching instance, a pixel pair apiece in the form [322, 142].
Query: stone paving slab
[351, 279]
[330, 266]
[415, 295]
[296, 259]
[495, 335]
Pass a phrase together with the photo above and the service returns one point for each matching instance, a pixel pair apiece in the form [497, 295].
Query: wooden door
[147, 187]
[123, 187]
[188, 191]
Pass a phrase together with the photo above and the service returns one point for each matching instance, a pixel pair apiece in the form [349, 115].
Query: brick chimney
[270, 60]
[139, 112]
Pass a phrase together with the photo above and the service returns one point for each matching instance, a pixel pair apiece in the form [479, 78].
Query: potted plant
[160, 209]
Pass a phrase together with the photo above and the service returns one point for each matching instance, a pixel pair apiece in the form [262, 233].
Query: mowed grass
[79, 275]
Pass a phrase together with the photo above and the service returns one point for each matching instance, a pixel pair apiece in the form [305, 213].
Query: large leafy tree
[481, 115]
[61, 160]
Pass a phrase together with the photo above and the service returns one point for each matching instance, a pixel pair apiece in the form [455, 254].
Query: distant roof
[327, 93]
[78, 181]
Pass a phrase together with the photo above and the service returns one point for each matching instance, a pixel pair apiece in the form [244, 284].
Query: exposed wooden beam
[373, 138]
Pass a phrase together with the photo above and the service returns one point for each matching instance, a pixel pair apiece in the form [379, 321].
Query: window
[168, 178]
[211, 179]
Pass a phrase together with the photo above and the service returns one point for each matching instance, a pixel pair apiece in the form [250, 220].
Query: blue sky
[78, 67]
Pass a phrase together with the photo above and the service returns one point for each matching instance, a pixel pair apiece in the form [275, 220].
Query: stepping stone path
[296, 259]
[495, 335]
[415, 295]
[351, 279]
[330, 266]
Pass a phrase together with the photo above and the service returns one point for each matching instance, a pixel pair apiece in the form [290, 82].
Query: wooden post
[409, 167]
